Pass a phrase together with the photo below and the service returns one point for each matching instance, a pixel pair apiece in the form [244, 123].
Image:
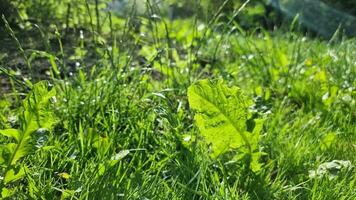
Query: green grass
[123, 116]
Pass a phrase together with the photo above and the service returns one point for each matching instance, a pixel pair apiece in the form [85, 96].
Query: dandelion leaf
[14, 174]
[37, 111]
[221, 114]
[11, 133]
[37, 114]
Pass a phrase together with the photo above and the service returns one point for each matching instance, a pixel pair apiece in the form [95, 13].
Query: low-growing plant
[36, 115]
[223, 115]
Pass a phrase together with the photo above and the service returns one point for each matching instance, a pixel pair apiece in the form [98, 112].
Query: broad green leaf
[37, 114]
[14, 174]
[321, 76]
[259, 90]
[327, 141]
[101, 170]
[102, 144]
[255, 165]
[6, 193]
[21, 150]
[221, 114]
[11, 133]
[256, 133]
[11, 147]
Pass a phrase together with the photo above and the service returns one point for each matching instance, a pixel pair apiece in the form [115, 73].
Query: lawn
[176, 109]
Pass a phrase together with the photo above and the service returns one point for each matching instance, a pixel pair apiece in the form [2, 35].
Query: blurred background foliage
[74, 13]
[344, 5]
[50, 11]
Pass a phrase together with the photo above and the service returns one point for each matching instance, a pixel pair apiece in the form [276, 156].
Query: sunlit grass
[125, 129]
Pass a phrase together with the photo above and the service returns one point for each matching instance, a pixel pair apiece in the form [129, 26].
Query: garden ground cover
[112, 119]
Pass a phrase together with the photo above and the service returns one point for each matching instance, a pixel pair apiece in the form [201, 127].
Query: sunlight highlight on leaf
[221, 115]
